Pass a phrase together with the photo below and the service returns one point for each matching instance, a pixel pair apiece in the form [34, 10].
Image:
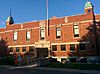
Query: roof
[9, 19]
[88, 4]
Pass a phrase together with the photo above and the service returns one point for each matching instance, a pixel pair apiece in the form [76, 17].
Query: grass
[75, 66]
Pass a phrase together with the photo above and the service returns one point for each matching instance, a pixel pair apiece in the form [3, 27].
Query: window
[42, 33]
[72, 47]
[89, 10]
[73, 60]
[10, 49]
[82, 46]
[15, 36]
[31, 48]
[63, 47]
[23, 49]
[54, 59]
[83, 60]
[28, 35]
[17, 49]
[63, 60]
[54, 47]
[76, 31]
[58, 32]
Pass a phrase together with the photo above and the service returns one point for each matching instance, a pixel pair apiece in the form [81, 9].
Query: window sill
[81, 50]
[17, 52]
[53, 51]
[62, 51]
[58, 38]
[15, 41]
[24, 52]
[27, 40]
[11, 52]
[76, 37]
[72, 51]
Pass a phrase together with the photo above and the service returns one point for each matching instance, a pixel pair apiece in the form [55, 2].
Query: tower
[9, 20]
[88, 7]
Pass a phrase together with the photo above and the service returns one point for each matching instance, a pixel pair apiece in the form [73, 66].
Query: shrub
[7, 60]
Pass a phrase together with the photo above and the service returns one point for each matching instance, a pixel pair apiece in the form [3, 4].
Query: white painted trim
[21, 45]
[54, 57]
[6, 31]
[73, 22]
[59, 57]
[63, 57]
[49, 26]
[51, 44]
[52, 50]
[69, 43]
[87, 8]
[65, 47]
[20, 29]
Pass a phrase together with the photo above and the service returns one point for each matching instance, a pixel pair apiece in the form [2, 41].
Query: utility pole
[96, 37]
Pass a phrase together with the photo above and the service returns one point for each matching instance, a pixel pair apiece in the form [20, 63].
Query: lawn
[75, 66]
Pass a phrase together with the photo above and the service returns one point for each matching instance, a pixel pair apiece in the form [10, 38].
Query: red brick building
[71, 37]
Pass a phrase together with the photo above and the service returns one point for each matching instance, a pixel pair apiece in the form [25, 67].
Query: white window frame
[52, 48]
[42, 33]
[11, 49]
[28, 35]
[63, 58]
[17, 49]
[15, 37]
[74, 48]
[58, 32]
[23, 49]
[85, 47]
[76, 30]
[61, 48]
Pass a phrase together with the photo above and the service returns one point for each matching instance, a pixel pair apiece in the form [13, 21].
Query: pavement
[16, 67]
[49, 69]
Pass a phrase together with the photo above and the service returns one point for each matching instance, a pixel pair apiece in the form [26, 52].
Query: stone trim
[69, 43]
[49, 26]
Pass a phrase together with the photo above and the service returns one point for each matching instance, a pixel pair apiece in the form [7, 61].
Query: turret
[9, 20]
[88, 7]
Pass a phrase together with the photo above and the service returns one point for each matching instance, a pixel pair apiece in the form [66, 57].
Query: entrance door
[42, 52]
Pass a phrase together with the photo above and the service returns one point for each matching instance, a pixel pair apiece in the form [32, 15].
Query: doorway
[41, 52]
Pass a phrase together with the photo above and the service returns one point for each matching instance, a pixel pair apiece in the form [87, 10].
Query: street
[34, 71]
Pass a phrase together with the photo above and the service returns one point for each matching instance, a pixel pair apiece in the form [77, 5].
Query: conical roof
[88, 4]
[9, 19]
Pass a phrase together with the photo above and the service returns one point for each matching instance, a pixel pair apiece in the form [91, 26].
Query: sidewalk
[4, 66]
[16, 67]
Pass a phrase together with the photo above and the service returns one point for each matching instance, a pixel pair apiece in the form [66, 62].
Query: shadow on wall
[3, 47]
[92, 35]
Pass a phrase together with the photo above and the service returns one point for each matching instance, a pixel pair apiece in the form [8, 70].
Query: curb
[17, 67]
[23, 67]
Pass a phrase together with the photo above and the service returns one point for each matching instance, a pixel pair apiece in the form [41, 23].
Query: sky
[32, 10]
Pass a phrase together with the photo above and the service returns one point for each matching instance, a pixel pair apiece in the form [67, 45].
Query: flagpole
[47, 17]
